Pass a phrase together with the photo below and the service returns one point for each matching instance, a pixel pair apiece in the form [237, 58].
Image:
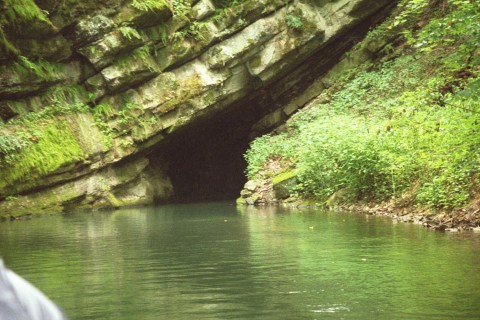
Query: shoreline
[263, 193]
[456, 220]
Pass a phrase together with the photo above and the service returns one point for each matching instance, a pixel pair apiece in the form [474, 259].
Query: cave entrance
[205, 162]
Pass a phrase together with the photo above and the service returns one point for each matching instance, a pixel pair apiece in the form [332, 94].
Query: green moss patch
[284, 176]
[55, 146]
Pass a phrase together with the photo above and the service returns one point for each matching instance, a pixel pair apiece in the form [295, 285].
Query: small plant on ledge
[293, 21]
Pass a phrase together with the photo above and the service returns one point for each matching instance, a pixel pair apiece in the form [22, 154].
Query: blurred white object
[20, 300]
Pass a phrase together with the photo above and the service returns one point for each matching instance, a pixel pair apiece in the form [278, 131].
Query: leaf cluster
[294, 21]
[393, 131]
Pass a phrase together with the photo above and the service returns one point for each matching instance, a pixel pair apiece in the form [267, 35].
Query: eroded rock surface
[147, 76]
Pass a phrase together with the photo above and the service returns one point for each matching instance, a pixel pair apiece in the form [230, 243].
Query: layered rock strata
[95, 95]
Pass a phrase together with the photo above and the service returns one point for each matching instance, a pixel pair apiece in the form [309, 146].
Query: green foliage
[162, 29]
[407, 128]
[65, 97]
[148, 5]
[42, 69]
[20, 134]
[38, 143]
[197, 31]
[10, 145]
[21, 11]
[6, 45]
[52, 145]
[334, 155]
[293, 17]
[411, 11]
[265, 148]
[127, 114]
[470, 92]
[142, 54]
[129, 33]
[375, 91]
[102, 113]
[459, 28]
[294, 21]
[48, 113]
[128, 110]
[378, 157]
[18, 13]
[180, 8]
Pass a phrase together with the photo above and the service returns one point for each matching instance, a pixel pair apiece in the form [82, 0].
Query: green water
[214, 261]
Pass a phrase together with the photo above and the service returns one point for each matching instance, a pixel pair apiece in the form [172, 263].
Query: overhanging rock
[156, 81]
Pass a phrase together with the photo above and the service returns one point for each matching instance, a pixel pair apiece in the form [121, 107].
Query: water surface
[214, 261]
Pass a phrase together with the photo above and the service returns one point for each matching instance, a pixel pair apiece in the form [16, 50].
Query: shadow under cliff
[205, 160]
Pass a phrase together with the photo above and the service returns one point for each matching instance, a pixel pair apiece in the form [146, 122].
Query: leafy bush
[265, 148]
[409, 127]
[10, 145]
[294, 21]
[337, 154]
[458, 28]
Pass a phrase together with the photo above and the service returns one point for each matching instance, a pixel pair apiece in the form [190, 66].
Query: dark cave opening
[210, 165]
[205, 162]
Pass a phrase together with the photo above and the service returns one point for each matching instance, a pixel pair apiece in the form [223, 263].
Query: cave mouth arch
[205, 159]
[205, 162]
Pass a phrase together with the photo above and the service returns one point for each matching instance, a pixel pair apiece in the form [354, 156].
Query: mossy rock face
[57, 147]
[60, 147]
[144, 77]
[67, 12]
[126, 184]
[24, 78]
[129, 72]
[339, 198]
[55, 49]
[284, 184]
[106, 50]
[6, 111]
[251, 193]
[240, 201]
[144, 18]
[32, 25]
[203, 9]
[91, 29]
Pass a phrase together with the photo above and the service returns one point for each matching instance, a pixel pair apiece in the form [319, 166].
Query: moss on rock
[56, 145]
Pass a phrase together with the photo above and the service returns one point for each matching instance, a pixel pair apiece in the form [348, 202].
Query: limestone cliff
[101, 101]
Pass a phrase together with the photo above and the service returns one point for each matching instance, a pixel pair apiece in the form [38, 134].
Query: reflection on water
[214, 261]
